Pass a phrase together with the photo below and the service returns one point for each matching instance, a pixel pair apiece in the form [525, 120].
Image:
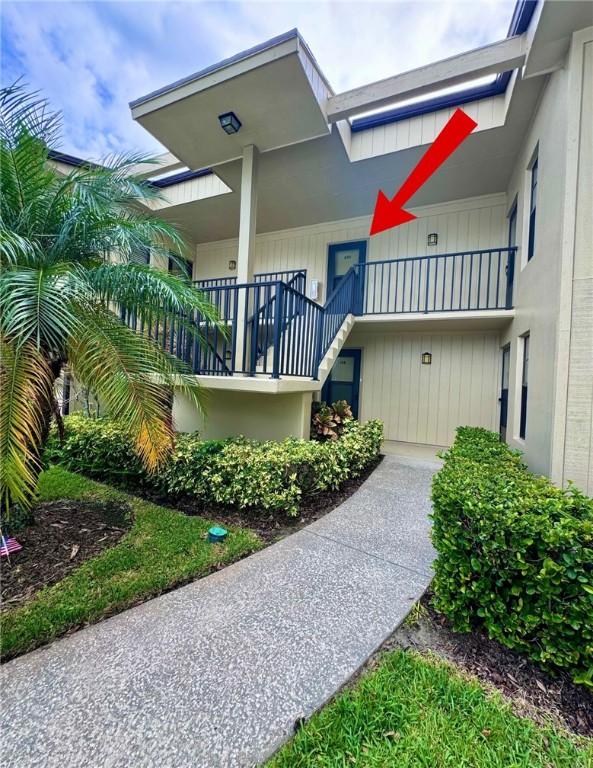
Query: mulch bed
[531, 691]
[66, 533]
[272, 526]
[63, 534]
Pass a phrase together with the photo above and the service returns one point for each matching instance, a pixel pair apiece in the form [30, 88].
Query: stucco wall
[536, 295]
[257, 416]
[473, 223]
[426, 403]
[577, 463]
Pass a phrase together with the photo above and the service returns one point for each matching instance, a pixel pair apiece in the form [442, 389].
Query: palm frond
[133, 378]
[148, 293]
[17, 249]
[24, 110]
[36, 305]
[25, 396]
[27, 129]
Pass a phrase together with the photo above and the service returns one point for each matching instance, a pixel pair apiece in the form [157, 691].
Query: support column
[247, 215]
[246, 250]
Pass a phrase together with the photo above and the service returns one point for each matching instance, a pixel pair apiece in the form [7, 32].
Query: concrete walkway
[217, 672]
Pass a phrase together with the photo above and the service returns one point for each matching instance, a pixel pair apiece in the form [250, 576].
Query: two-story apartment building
[480, 311]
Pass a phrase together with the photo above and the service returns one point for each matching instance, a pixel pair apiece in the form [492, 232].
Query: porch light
[426, 358]
[229, 122]
[232, 265]
[433, 238]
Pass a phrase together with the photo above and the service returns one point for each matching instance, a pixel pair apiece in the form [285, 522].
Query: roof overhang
[275, 89]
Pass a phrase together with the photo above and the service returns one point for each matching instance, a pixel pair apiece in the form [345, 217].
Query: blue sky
[91, 58]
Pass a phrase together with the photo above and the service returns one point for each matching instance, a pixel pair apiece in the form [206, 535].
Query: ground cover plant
[415, 710]
[238, 473]
[515, 554]
[162, 549]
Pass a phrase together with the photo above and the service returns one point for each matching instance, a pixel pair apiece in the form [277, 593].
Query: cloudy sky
[91, 58]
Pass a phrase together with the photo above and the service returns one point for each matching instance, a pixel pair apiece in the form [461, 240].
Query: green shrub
[515, 554]
[236, 472]
[98, 448]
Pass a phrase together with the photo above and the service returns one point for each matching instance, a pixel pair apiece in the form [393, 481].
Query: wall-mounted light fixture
[229, 122]
[433, 238]
[426, 358]
[232, 265]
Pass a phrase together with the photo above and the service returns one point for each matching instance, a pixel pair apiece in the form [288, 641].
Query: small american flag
[8, 546]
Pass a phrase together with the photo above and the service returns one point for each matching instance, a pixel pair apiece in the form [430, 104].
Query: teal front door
[342, 256]
[343, 382]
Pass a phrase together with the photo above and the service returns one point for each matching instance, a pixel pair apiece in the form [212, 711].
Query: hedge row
[235, 472]
[515, 554]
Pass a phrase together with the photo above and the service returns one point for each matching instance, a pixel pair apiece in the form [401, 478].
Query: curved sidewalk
[217, 672]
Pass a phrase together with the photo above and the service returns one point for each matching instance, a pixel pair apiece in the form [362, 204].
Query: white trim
[575, 89]
[489, 59]
[234, 69]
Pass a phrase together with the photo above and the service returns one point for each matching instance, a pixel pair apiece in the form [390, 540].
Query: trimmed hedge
[235, 472]
[515, 554]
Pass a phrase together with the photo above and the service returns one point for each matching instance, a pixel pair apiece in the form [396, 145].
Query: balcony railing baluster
[466, 278]
[270, 327]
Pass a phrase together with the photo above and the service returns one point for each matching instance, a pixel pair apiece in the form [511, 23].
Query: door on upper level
[342, 256]
[343, 382]
[510, 270]
[504, 392]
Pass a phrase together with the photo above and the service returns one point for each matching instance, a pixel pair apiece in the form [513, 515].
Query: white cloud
[91, 59]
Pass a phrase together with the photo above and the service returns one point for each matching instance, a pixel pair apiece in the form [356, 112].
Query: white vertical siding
[426, 403]
[199, 188]
[462, 225]
[488, 113]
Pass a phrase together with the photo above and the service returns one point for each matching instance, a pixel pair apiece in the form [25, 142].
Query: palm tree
[69, 248]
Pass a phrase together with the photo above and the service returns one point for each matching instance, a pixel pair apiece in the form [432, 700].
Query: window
[180, 266]
[142, 256]
[524, 377]
[510, 268]
[532, 207]
[512, 219]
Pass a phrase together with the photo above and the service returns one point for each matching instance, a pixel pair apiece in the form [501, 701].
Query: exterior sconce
[229, 122]
[426, 358]
[232, 265]
[433, 238]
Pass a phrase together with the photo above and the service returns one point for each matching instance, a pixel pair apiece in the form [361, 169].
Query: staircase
[332, 353]
[269, 328]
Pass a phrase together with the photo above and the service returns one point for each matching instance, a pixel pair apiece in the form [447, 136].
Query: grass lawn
[162, 549]
[417, 712]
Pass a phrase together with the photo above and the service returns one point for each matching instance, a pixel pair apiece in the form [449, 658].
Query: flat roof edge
[522, 15]
[260, 48]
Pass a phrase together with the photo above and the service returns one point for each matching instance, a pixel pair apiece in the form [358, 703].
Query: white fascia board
[488, 60]
[162, 164]
[234, 69]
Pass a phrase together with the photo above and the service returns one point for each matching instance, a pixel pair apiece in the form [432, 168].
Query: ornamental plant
[240, 473]
[328, 421]
[69, 250]
[515, 554]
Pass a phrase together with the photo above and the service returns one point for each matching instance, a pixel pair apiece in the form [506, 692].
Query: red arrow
[390, 213]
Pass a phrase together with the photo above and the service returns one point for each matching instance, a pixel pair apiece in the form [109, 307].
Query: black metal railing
[450, 282]
[340, 303]
[287, 275]
[270, 327]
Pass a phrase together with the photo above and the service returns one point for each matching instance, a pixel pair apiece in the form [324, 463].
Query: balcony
[270, 329]
[451, 282]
